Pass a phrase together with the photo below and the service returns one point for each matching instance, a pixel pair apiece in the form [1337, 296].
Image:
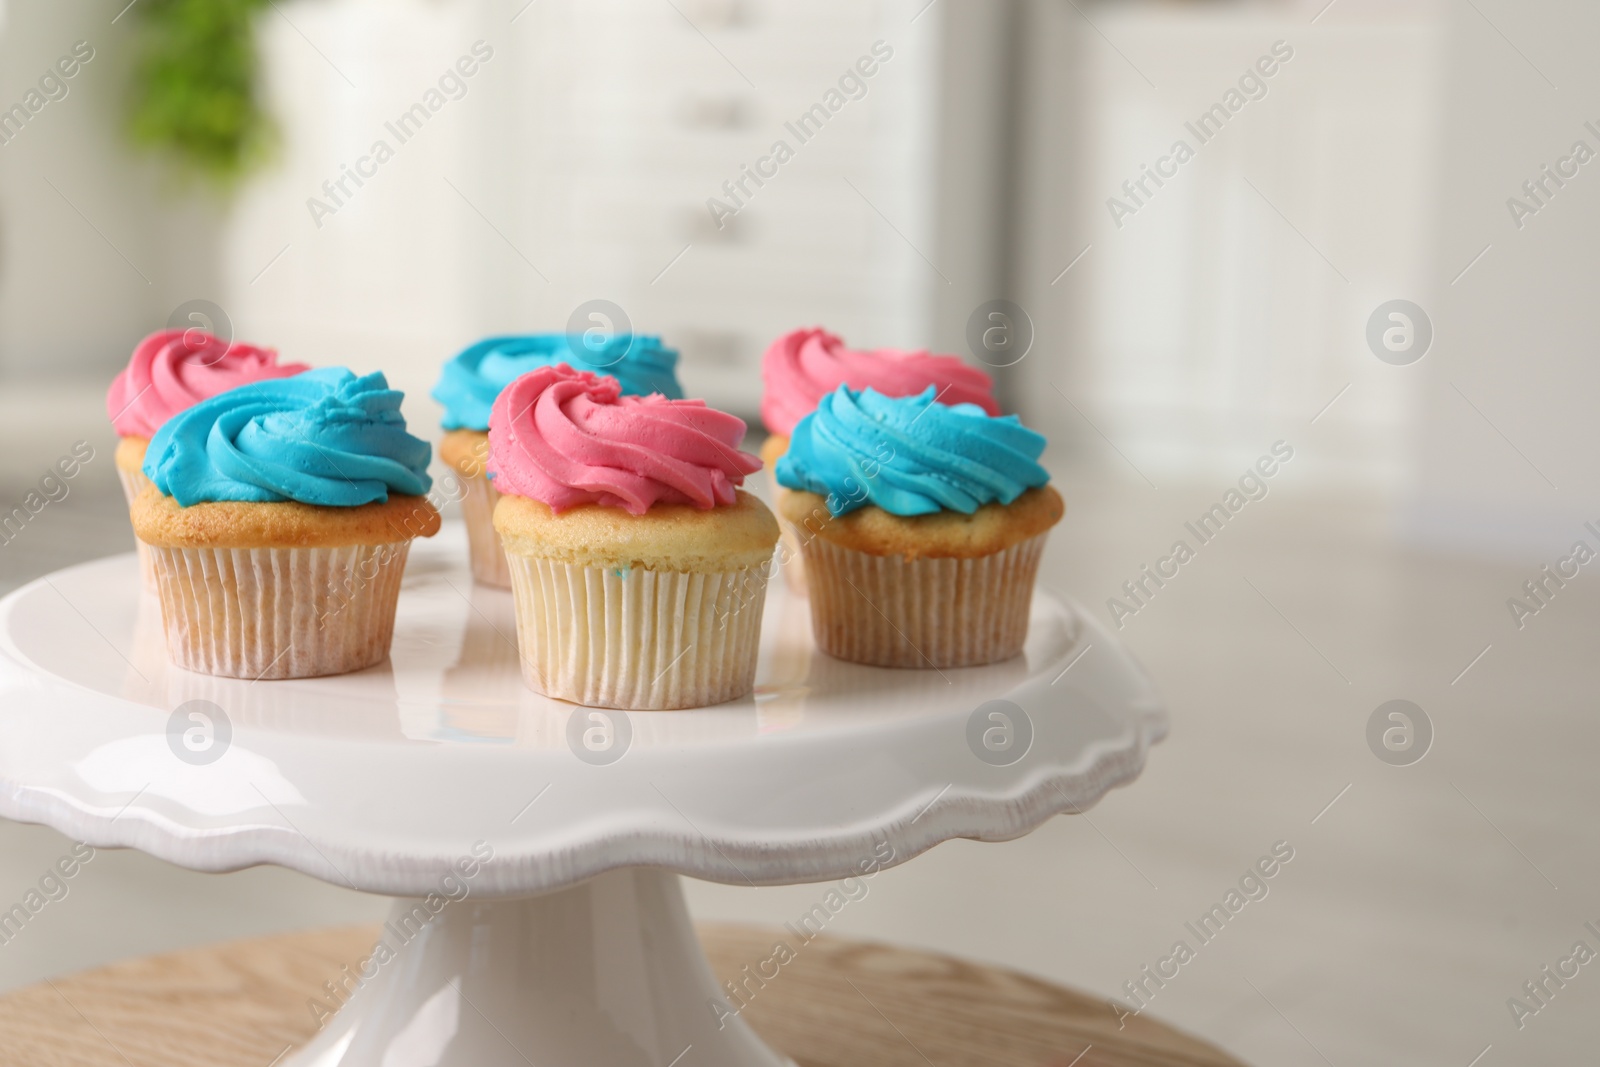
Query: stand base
[607, 972]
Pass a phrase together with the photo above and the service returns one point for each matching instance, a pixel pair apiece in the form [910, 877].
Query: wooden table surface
[837, 1004]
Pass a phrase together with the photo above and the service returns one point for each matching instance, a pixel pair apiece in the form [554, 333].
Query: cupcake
[921, 525]
[638, 567]
[472, 380]
[803, 366]
[170, 371]
[278, 521]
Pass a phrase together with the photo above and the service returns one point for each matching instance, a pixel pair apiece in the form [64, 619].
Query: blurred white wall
[97, 246]
[1221, 309]
[1503, 429]
[1230, 309]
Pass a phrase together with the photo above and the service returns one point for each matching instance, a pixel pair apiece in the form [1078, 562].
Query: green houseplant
[196, 96]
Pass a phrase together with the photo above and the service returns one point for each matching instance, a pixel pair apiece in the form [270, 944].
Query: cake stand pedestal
[536, 846]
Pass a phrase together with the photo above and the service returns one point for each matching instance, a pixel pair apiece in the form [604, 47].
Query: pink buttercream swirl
[568, 437]
[803, 366]
[173, 370]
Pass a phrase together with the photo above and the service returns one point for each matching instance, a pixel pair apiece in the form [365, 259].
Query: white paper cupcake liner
[637, 639]
[134, 483]
[888, 611]
[279, 612]
[483, 541]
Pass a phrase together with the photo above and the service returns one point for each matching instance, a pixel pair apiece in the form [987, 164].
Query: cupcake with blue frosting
[803, 366]
[470, 383]
[921, 525]
[278, 522]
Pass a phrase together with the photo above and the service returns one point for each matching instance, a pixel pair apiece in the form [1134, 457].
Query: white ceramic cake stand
[542, 842]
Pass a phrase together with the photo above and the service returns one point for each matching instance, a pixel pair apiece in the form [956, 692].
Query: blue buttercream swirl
[470, 382]
[910, 455]
[324, 437]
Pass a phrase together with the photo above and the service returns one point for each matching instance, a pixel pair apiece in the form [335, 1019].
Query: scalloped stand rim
[610, 939]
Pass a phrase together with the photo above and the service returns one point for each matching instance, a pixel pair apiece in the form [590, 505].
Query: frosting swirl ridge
[325, 437]
[175, 369]
[470, 382]
[910, 455]
[803, 366]
[567, 437]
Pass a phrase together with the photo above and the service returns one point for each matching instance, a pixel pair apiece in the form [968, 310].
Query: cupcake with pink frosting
[171, 371]
[638, 565]
[803, 366]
